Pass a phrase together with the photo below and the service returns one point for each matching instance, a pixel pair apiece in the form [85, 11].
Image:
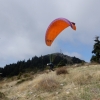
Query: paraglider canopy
[55, 28]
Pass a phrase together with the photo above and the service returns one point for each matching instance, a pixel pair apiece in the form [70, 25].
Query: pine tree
[96, 51]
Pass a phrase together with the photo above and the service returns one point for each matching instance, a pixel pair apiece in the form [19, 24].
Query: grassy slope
[82, 83]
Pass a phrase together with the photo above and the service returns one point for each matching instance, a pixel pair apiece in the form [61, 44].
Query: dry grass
[62, 70]
[82, 83]
[82, 78]
[48, 84]
[96, 76]
[2, 96]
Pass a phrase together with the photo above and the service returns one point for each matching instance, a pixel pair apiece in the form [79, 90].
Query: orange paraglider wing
[55, 28]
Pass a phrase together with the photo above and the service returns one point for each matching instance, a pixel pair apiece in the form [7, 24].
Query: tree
[96, 51]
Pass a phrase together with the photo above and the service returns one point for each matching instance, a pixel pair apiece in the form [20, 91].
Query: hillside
[69, 59]
[75, 83]
[38, 64]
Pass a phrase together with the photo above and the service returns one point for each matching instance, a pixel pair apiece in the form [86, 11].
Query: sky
[23, 24]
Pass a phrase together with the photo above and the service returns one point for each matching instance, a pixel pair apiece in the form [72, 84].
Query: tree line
[37, 64]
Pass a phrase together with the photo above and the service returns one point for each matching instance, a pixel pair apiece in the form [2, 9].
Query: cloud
[23, 25]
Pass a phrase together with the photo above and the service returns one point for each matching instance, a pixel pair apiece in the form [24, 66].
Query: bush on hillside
[62, 70]
[48, 84]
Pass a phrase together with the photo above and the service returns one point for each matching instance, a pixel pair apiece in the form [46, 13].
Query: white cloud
[23, 25]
